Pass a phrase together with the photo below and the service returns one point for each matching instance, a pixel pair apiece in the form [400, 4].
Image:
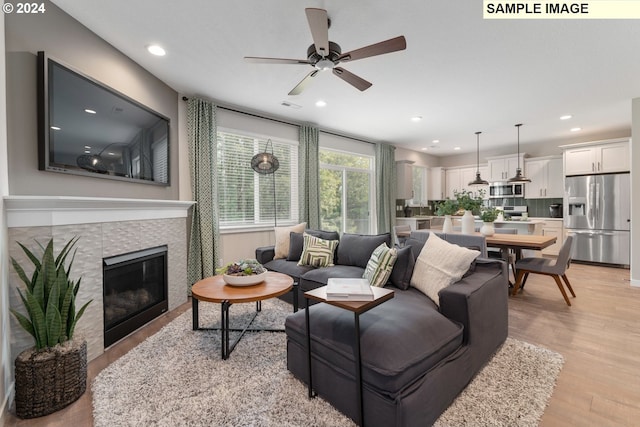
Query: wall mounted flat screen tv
[87, 128]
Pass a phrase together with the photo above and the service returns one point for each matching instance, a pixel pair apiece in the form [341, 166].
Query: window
[245, 198]
[346, 192]
[420, 176]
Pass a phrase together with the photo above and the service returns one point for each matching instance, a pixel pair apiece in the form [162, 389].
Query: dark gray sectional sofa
[416, 357]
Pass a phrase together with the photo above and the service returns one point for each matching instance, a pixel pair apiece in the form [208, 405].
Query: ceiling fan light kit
[325, 55]
[519, 177]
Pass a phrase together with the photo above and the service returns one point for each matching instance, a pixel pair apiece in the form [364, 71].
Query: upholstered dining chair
[547, 267]
[399, 240]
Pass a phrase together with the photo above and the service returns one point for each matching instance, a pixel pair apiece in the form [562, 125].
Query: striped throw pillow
[380, 265]
[317, 252]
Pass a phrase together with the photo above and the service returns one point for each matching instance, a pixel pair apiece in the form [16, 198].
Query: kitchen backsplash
[537, 207]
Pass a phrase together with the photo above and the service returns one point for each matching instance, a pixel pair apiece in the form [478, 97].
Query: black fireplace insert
[135, 291]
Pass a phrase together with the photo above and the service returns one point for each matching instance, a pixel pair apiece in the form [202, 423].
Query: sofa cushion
[440, 264]
[403, 268]
[283, 236]
[356, 249]
[290, 268]
[400, 339]
[380, 264]
[296, 241]
[317, 252]
[319, 276]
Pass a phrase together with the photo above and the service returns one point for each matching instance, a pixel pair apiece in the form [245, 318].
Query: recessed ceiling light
[87, 151]
[425, 148]
[566, 117]
[86, 147]
[55, 128]
[416, 118]
[576, 129]
[90, 111]
[156, 50]
[321, 103]
[456, 148]
[435, 141]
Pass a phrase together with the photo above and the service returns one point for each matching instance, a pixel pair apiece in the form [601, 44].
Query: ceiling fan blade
[387, 46]
[261, 60]
[355, 81]
[304, 83]
[319, 25]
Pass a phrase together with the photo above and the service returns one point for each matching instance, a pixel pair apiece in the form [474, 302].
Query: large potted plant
[470, 202]
[53, 373]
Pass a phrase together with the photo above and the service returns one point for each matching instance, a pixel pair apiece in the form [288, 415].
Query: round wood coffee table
[214, 289]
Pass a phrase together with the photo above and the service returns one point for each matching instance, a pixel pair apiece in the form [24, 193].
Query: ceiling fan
[326, 55]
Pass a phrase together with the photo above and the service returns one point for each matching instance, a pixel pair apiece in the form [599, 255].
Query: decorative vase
[50, 379]
[447, 227]
[487, 229]
[468, 223]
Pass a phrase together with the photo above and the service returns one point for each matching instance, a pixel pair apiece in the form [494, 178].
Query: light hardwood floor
[599, 337]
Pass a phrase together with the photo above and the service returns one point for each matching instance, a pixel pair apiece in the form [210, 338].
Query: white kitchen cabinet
[591, 158]
[504, 167]
[437, 180]
[551, 227]
[546, 178]
[404, 180]
[459, 178]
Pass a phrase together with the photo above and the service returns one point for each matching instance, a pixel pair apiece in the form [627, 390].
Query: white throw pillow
[440, 264]
[283, 236]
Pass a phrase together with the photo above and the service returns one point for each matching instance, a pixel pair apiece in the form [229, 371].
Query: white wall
[5, 351]
[635, 195]
[419, 159]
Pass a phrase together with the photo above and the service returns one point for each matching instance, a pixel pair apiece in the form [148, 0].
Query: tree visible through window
[245, 198]
[346, 192]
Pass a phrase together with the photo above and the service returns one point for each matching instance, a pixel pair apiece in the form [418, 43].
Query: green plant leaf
[65, 308]
[24, 322]
[38, 320]
[79, 315]
[63, 253]
[38, 290]
[54, 326]
[34, 259]
[48, 270]
[20, 272]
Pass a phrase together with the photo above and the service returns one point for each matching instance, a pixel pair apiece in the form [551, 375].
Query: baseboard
[6, 404]
[635, 283]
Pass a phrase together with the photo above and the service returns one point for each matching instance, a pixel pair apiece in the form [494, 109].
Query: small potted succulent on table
[447, 208]
[488, 216]
[245, 272]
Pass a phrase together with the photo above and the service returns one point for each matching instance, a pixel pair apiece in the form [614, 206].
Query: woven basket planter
[50, 379]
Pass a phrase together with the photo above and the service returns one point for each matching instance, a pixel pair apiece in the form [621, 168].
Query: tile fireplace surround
[106, 227]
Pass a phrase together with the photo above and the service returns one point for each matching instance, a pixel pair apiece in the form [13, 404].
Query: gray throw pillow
[403, 268]
[356, 249]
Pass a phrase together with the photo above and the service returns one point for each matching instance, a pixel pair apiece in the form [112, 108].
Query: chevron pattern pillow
[380, 265]
[317, 252]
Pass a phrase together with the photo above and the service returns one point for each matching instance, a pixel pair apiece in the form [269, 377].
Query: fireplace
[135, 289]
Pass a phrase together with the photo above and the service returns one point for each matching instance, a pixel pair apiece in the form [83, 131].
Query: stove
[516, 210]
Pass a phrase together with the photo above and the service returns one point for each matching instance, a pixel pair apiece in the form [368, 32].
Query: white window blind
[245, 197]
[160, 161]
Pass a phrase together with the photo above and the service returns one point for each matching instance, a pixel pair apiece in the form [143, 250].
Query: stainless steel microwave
[501, 189]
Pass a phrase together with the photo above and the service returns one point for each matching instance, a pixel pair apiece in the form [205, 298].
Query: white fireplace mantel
[37, 211]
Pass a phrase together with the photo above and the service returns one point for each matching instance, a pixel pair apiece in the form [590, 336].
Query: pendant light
[266, 163]
[478, 180]
[519, 176]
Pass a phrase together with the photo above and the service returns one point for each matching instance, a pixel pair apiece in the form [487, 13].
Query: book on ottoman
[349, 290]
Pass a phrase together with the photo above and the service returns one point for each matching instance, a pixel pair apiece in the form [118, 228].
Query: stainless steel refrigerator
[598, 215]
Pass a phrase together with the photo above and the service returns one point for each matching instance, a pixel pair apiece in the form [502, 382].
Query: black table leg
[306, 315]
[224, 330]
[194, 313]
[358, 361]
[294, 289]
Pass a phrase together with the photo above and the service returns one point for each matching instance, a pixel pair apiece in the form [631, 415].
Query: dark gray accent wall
[65, 39]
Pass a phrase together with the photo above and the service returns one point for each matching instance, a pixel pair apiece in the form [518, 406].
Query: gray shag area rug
[176, 378]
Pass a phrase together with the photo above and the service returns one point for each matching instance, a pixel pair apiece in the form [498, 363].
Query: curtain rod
[184, 98]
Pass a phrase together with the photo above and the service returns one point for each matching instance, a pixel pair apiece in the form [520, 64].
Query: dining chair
[556, 269]
[399, 240]
[507, 255]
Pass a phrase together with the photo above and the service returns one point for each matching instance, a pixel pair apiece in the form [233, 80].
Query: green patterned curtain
[385, 187]
[309, 176]
[203, 153]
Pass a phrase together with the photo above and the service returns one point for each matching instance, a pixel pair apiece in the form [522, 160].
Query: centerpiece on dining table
[245, 272]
